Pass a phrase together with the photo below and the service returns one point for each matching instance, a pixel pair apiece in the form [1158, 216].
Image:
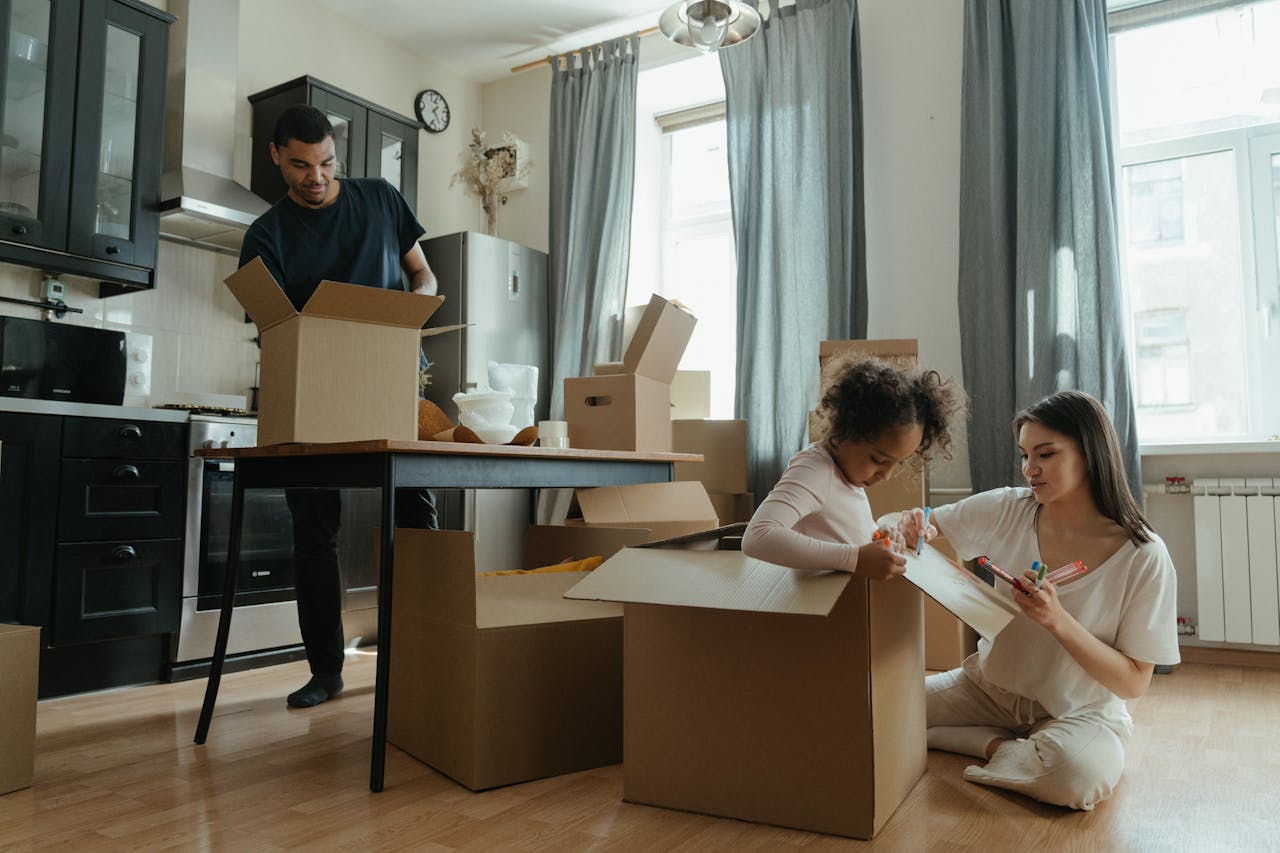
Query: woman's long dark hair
[1079, 416]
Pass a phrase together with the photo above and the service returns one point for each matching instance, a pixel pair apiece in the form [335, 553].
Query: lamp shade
[709, 24]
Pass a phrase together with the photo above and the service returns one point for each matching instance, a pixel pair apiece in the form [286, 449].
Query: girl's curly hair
[870, 396]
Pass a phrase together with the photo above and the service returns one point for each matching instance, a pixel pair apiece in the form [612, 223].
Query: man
[356, 230]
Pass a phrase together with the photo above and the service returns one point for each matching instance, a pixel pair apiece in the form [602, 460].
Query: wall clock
[432, 110]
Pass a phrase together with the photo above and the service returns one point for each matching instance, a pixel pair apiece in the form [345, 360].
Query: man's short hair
[302, 122]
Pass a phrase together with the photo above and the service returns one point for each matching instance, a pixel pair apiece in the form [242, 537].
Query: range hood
[201, 204]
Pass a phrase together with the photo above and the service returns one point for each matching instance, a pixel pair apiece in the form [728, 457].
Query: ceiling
[483, 40]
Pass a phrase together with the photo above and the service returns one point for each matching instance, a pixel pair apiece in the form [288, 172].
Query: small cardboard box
[498, 680]
[723, 445]
[762, 693]
[631, 409]
[344, 368]
[664, 509]
[19, 673]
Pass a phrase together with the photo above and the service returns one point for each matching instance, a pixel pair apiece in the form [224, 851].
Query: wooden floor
[118, 771]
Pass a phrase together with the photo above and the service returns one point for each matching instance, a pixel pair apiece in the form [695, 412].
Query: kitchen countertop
[91, 410]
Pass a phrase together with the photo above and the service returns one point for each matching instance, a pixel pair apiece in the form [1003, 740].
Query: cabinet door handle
[20, 230]
[112, 250]
[126, 472]
[123, 553]
[130, 432]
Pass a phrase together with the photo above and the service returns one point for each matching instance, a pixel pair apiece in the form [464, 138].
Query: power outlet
[55, 291]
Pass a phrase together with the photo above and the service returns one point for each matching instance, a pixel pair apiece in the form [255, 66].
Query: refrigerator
[500, 288]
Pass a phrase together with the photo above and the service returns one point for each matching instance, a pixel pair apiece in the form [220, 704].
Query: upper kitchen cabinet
[371, 142]
[82, 128]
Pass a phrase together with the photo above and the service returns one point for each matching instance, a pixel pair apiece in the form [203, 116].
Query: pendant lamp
[710, 24]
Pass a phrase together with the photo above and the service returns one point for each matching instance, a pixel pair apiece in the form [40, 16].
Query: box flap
[513, 600]
[440, 330]
[722, 580]
[260, 295]
[338, 301]
[703, 540]
[634, 506]
[659, 340]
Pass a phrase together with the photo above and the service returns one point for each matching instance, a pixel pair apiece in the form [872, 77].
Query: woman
[1043, 702]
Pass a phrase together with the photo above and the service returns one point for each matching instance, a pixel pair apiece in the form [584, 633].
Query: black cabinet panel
[111, 499]
[106, 590]
[112, 439]
[28, 504]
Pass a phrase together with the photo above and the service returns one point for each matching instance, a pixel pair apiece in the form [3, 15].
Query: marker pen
[1003, 575]
[920, 542]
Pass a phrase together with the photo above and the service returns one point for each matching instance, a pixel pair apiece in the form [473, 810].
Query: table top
[453, 448]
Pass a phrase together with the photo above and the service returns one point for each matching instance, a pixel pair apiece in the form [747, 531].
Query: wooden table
[389, 465]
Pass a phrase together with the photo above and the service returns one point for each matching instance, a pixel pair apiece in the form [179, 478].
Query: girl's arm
[1114, 670]
[770, 535]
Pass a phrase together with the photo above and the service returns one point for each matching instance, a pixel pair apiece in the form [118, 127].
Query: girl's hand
[878, 562]
[910, 523]
[1042, 605]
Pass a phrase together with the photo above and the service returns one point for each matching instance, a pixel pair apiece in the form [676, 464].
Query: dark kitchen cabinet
[121, 518]
[81, 125]
[28, 517]
[370, 141]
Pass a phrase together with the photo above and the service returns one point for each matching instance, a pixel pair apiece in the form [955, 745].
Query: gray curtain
[593, 133]
[794, 121]
[1039, 288]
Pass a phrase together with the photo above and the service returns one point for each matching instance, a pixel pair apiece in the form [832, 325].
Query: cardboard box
[723, 445]
[497, 680]
[691, 394]
[763, 693]
[344, 368]
[663, 509]
[19, 673]
[731, 509]
[631, 410]
[899, 352]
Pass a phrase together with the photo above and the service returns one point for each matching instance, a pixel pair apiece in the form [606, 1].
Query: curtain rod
[551, 57]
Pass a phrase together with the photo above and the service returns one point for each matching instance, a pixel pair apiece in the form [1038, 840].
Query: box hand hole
[605, 400]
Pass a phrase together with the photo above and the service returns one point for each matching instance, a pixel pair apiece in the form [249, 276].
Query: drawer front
[110, 499]
[106, 590]
[89, 438]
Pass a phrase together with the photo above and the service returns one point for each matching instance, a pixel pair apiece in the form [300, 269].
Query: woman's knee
[1078, 775]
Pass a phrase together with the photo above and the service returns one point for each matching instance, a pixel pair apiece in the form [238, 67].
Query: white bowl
[496, 435]
[484, 408]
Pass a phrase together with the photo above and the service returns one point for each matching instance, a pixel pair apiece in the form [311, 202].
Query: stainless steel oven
[266, 615]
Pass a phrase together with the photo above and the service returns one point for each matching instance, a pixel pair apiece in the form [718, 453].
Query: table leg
[377, 762]
[224, 619]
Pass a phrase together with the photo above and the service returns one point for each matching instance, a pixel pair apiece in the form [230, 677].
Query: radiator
[1237, 576]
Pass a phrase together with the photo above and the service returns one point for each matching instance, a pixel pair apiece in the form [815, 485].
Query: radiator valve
[1176, 486]
[1185, 626]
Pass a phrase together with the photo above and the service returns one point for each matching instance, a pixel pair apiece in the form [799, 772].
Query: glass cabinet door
[393, 155]
[35, 125]
[349, 123]
[122, 66]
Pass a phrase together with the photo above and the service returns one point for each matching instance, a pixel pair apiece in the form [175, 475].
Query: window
[1197, 109]
[682, 243]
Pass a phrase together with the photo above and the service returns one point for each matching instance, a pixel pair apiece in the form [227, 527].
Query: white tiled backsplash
[199, 340]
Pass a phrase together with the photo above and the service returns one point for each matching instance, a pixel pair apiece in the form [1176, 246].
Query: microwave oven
[56, 361]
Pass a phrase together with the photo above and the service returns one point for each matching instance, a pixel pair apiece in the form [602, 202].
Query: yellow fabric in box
[589, 564]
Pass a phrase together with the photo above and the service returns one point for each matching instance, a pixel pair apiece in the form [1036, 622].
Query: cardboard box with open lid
[627, 406]
[663, 509]
[344, 368]
[763, 693]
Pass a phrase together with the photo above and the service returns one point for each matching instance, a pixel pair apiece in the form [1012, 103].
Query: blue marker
[920, 543]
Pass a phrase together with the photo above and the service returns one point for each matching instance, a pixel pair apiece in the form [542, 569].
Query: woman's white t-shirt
[1128, 602]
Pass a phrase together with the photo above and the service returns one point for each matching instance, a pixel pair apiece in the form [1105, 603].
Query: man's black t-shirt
[359, 239]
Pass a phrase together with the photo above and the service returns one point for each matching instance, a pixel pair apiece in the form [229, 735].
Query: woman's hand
[910, 523]
[1042, 605]
[880, 561]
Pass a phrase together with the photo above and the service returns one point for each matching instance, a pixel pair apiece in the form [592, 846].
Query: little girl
[876, 418]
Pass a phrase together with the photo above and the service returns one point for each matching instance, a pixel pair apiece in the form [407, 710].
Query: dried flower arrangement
[485, 169]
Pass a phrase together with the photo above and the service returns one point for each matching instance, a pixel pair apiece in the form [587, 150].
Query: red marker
[1003, 575]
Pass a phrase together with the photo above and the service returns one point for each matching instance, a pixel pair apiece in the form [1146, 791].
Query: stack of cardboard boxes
[723, 471]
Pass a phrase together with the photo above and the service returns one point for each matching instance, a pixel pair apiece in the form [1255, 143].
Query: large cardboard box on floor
[498, 680]
[344, 368]
[627, 406]
[763, 693]
[19, 673]
[663, 509]
[723, 445]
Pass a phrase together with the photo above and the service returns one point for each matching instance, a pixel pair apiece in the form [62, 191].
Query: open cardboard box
[627, 406]
[763, 693]
[344, 368]
[662, 509]
[497, 680]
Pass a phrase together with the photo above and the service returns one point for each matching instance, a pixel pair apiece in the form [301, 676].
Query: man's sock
[965, 740]
[321, 688]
